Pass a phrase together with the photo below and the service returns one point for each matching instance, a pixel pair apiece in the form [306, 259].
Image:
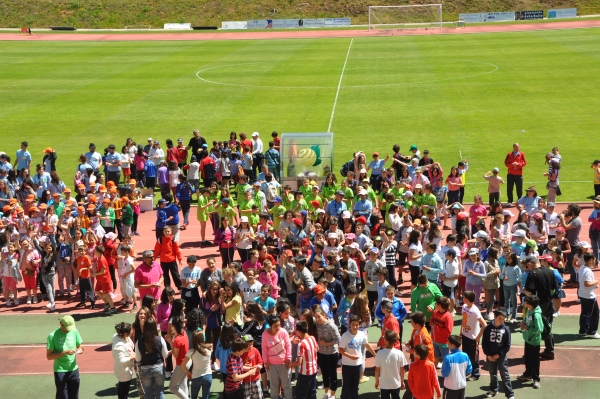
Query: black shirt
[541, 282]
[196, 144]
[424, 162]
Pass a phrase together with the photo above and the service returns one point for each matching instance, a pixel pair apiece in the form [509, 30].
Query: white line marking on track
[337, 93]
[43, 346]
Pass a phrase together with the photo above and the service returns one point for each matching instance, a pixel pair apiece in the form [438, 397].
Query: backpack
[547, 328]
[271, 192]
[348, 166]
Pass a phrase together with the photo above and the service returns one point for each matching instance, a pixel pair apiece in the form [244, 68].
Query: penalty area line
[337, 93]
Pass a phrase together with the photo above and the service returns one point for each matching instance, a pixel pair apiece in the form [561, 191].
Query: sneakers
[594, 336]
[52, 308]
[326, 396]
[438, 366]
[294, 382]
[471, 378]
[29, 300]
[136, 233]
[490, 394]
[49, 305]
[320, 386]
[556, 314]
[8, 304]
[106, 307]
[35, 299]
[16, 301]
[80, 305]
[214, 367]
[490, 316]
[524, 377]
[168, 375]
[110, 311]
[363, 379]
[536, 385]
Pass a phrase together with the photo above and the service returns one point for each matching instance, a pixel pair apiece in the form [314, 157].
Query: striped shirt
[307, 350]
[234, 366]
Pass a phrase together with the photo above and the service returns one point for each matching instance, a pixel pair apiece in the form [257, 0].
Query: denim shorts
[440, 351]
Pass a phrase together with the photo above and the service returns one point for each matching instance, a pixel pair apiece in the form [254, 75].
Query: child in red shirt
[251, 386]
[235, 370]
[103, 281]
[390, 322]
[422, 377]
[441, 328]
[84, 267]
[180, 343]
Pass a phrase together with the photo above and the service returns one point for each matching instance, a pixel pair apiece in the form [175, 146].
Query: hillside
[119, 13]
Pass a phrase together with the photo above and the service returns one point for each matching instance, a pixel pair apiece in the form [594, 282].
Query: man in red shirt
[182, 155]
[208, 169]
[103, 280]
[515, 162]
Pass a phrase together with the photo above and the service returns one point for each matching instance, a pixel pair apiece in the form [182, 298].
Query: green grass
[395, 90]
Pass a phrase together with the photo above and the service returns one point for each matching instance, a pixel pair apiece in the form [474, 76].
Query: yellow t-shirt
[597, 175]
[234, 311]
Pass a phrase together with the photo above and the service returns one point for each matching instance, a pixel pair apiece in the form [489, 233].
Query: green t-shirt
[287, 200]
[429, 200]
[229, 212]
[240, 190]
[306, 191]
[397, 193]
[329, 191]
[311, 209]
[277, 211]
[348, 197]
[254, 218]
[301, 205]
[245, 207]
[384, 205]
[214, 197]
[202, 214]
[58, 341]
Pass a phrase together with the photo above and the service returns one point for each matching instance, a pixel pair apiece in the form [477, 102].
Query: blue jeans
[510, 300]
[153, 381]
[501, 364]
[203, 381]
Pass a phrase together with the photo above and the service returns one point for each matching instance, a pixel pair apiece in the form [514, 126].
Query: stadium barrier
[562, 13]
[297, 23]
[503, 16]
[180, 26]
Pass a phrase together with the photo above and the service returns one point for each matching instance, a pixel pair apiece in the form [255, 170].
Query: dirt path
[291, 34]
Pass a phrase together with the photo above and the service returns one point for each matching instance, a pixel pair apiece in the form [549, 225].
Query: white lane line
[337, 93]
[44, 346]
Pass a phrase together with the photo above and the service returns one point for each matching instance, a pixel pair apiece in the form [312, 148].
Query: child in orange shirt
[84, 270]
[422, 377]
[420, 335]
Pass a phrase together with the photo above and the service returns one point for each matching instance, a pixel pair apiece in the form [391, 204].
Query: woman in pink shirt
[476, 212]
[277, 356]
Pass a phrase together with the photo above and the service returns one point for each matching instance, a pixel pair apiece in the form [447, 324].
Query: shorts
[462, 281]
[126, 171]
[252, 390]
[448, 292]
[441, 211]
[440, 351]
[103, 286]
[9, 283]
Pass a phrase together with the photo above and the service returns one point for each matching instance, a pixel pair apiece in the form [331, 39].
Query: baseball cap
[495, 170]
[255, 134]
[68, 322]
[584, 244]
[362, 191]
[162, 201]
[462, 216]
[244, 219]
[225, 200]
[277, 199]
[537, 215]
[480, 234]
[408, 193]
[451, 252]
[473, 251]
[180, 140]
[507, 212]
[48, 149]
[361, 219]
[248, 338]
[550, 204]
[560, 230]
[350, 236]
[297, 222]
[319, 289]
[413, 147]
[375, 250]
[346, 215]
[339, 192]
[519, 233]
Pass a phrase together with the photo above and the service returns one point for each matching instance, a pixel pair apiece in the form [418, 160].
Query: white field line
[339, 85]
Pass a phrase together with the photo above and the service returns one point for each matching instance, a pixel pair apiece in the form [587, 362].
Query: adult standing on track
[94, 159]
[148, 277]
[257, 154]
[113, 165]
[196, 143]
[572, 229]
[515, 162]
[62, 346]
[542, 283]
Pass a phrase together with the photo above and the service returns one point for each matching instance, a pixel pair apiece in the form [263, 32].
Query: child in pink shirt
[269, 276]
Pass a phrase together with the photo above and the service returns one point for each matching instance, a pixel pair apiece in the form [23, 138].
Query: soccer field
[475, 94]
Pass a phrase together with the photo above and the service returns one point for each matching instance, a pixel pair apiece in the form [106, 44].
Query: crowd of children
[317, 268]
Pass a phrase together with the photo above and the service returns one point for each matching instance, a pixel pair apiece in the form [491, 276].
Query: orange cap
[92, 198]
[125, 199]
[56, 195]
[6, 208]
[71, 201]
[43, 206]
[106, 201]
[102, 188]
[48, 149]
[34, 209]
[80, 209]
[67, 190]
[132, 181]
[113, 190]
[20, 210]
[110, 184]
[13, 201]
[91, 207]
[30, 196]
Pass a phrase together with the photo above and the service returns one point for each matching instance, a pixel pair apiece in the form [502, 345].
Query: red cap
[362, 220]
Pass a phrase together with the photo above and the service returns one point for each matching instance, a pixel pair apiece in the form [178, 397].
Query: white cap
[480, 234]
[584, 244]
[362, 192]
[255, 134]
[519, 233]
[150, 139]
[244, 219]
[363, 170]
[473, 251]
[332, 235]
[346, 215]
